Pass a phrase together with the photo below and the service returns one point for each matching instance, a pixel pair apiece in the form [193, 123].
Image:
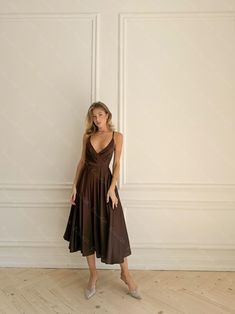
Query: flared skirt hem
[99, 255]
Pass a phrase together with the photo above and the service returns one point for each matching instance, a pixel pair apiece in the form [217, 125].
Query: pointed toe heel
[89, 293]
[135, 294]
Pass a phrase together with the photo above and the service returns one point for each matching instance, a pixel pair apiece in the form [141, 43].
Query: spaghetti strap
[113, 134]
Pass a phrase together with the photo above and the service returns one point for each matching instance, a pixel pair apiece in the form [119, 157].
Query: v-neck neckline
[101, 149]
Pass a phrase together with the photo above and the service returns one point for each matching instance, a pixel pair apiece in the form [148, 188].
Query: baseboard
[141, 258]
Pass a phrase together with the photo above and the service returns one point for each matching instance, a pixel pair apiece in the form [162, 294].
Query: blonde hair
[90, 126]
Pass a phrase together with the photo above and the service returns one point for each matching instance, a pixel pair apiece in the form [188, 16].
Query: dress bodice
[101, 159]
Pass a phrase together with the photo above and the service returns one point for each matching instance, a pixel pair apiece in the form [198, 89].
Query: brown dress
[93, 225]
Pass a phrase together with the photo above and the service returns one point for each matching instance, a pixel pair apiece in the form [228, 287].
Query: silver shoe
[135, 294]
[89, 292]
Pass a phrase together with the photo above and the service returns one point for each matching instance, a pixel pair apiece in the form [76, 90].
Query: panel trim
[155, 201]
[136, 245]
[122, 26]
[95, 35]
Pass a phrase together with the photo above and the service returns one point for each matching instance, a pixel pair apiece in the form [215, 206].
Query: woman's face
[99, 117]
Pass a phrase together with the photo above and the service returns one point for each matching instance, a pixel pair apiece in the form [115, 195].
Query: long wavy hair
[90, 125]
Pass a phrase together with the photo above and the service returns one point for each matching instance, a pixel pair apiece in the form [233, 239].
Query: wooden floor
[47, 291]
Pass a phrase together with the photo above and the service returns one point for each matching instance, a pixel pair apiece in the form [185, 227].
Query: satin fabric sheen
[93, 225]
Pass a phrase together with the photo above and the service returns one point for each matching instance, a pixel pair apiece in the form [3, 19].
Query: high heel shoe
[134, 293]
[90, 292]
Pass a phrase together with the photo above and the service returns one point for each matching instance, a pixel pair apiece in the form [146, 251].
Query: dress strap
[113, 133]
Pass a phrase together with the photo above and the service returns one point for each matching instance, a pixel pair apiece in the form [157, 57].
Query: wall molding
[145, 201]
[177, 185]
[35, 186]
[135, 245]
[156, 255]
[124, 18]
[135, 204]
[95, 36]
[211, 257]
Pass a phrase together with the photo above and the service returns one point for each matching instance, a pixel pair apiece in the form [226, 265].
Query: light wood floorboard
[60, 291]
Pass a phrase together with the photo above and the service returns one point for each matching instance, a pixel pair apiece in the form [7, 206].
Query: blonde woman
[96, 224]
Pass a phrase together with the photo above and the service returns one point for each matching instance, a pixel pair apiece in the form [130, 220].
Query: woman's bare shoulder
[118, 134]
[85, 136]
[118, 137]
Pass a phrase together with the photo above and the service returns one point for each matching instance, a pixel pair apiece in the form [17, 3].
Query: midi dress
[93, 225]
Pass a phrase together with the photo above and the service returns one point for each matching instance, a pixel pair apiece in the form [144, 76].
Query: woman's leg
[126, 276]
[93, 272]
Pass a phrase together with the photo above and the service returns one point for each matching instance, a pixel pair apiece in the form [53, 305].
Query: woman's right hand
[73, 195]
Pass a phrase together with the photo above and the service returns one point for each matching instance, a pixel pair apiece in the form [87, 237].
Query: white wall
[166, 69]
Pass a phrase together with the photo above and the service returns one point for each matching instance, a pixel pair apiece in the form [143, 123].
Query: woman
[96, 224]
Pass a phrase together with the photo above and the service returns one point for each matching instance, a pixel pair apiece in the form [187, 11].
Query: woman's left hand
[111, 194]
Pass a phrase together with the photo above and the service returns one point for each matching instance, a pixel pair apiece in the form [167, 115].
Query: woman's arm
[81, 161]
[116, 161]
